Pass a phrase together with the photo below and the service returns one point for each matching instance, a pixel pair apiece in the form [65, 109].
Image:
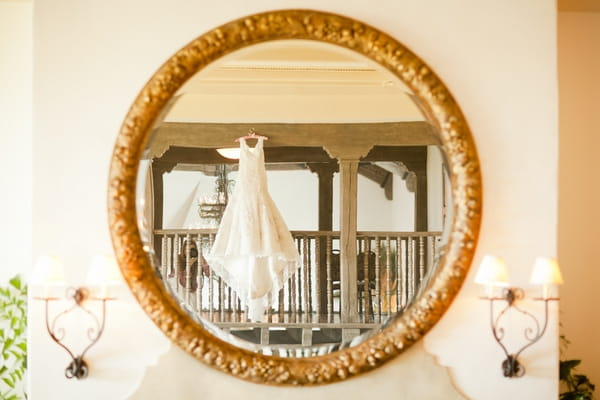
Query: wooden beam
[177, 155]
[195, 155]
[379, 175]
[209, 169]
[406, 154]
[216, 135]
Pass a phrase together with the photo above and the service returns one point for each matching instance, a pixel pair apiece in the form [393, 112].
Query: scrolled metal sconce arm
[511, 366]
[77, 368]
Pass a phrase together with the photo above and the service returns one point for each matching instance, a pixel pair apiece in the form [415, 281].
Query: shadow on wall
[407, 377]
[117, 363]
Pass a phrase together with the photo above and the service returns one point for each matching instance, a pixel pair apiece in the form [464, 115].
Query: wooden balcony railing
[390, 269]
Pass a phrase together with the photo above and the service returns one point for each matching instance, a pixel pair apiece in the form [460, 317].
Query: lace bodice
[252, 171]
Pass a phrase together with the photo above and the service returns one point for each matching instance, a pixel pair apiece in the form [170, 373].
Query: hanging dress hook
[252, 135]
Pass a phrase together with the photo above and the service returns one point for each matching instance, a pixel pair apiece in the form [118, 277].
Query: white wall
[438, 190]
[579, 184]
[16, 49]
[376, 213]
[91, 59]
[298, 203]
[182, 192]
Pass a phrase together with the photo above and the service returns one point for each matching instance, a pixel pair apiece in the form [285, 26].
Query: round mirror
[314, 134]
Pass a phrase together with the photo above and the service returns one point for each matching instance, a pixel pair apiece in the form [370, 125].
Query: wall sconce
[493, 274]
[103, 272]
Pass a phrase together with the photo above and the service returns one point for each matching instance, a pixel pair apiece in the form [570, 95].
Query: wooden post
[329, 281]
[157, 204]
[348, 211]
[158, 170]
[325, 173]
[348, 155]
[421, 224]
[419, 167]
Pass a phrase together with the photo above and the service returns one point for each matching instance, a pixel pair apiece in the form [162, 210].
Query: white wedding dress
[253, 250]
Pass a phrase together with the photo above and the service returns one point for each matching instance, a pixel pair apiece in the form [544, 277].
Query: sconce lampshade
[104, 271]
[492, 272]
[48, 270]
[232, 153]
[546, 272]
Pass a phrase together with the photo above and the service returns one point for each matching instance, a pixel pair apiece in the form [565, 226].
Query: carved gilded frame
[437, 103]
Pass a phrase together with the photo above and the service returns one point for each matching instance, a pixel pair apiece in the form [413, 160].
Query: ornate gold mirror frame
[442, 111]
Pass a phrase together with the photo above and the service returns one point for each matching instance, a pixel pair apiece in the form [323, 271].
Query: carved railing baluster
[228, 296]
[176, 261]
[401, 271]
[164, 256]
[377, 307]
[411, 271]
[199, 276]
[270, 309]
[388, 275]
[188, 269]
[211, 289]
[305, 276]
[367, 299]
[432, 253]
[234, 305]
[221, 297]
[293, 298]
[399, 276]
[310, 275]
[317, 286]
[170, 266]
[280, 310]
[421, 259]
[200, 293]
[298, 278]
[329, 281]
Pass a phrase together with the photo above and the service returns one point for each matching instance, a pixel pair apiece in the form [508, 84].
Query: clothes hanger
[252, 135]
[233, 153]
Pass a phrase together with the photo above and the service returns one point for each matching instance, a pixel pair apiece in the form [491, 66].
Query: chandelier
[213, 208]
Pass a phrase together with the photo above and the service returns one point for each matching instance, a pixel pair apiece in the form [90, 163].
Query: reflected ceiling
[272, 83]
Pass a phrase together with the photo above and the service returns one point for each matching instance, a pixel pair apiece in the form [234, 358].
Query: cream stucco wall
[91, 58]
[15, 136]
[579, 183]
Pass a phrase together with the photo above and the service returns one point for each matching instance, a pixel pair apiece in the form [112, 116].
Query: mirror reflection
[353, 168]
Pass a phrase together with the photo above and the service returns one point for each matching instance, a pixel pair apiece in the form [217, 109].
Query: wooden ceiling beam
[177, 155]
[217, 135]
